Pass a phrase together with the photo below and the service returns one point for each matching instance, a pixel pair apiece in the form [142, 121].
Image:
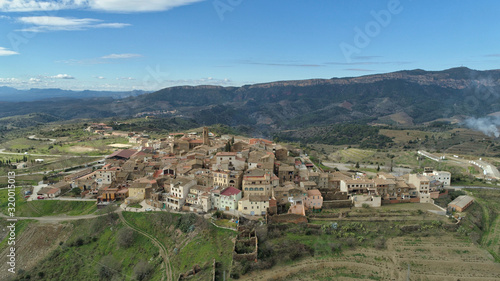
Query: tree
[357, 165]
[76, 191]
[142, 270]
[125, 237]
[107, 267]
[378, 168]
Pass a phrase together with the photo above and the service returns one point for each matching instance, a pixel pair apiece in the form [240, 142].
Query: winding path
[163, 249]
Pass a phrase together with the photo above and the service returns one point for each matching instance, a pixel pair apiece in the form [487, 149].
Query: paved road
[33, 137]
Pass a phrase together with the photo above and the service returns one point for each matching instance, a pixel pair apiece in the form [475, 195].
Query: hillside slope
[405, 97]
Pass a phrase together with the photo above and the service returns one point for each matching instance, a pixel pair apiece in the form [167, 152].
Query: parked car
[40, 197]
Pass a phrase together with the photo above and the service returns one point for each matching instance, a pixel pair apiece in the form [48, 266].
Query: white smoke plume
[487, 125]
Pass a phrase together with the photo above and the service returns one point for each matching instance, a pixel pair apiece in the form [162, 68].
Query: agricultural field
[397, 241]
[92, 145]
[404, 136]
[421, 258]
[57, 164]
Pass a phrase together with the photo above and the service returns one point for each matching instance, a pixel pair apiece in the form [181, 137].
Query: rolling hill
[403, 97]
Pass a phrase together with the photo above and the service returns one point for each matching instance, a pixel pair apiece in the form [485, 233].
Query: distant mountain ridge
[417, 96]
[8, 94]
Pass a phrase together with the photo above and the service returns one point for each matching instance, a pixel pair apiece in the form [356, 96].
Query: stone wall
[337, 204]
[396, 201]
[330, 195]
[287, 218]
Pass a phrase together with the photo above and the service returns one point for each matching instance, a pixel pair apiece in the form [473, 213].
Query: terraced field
[430, 258]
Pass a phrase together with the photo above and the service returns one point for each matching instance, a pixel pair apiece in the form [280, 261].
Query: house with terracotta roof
[49, 192]
[257, 182]
[314, 200]
[124, 154]
[229, 198]
[461, 203]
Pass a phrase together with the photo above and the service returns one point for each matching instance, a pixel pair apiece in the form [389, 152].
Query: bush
[108, 267]
[125, 237]
[142, 270]
[379, 243]
[350, 242]
[335, 247]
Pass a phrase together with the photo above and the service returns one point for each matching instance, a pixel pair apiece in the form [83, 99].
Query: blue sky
[148, 45]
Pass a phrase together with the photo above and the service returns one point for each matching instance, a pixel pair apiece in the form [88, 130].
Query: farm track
[162, 248]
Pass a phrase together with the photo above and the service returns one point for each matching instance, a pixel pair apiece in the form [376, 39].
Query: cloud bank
[120, 6]
[50, 23]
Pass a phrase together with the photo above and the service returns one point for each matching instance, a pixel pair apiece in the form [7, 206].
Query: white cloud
[7, 52]
[34, 80]
[129, 6]
[31, 5]
[62, 76]
[100, 77]
[8, 80]
[49, 23]
[138, 5]
[121, 56]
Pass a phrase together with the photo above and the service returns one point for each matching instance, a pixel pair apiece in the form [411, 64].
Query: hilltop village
[199, 172]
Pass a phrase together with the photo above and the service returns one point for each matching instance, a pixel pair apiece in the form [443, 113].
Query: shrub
[350, 242]
[142, 270]
[379, 243]
[125, 237]
[108, 267]
[335, 247]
